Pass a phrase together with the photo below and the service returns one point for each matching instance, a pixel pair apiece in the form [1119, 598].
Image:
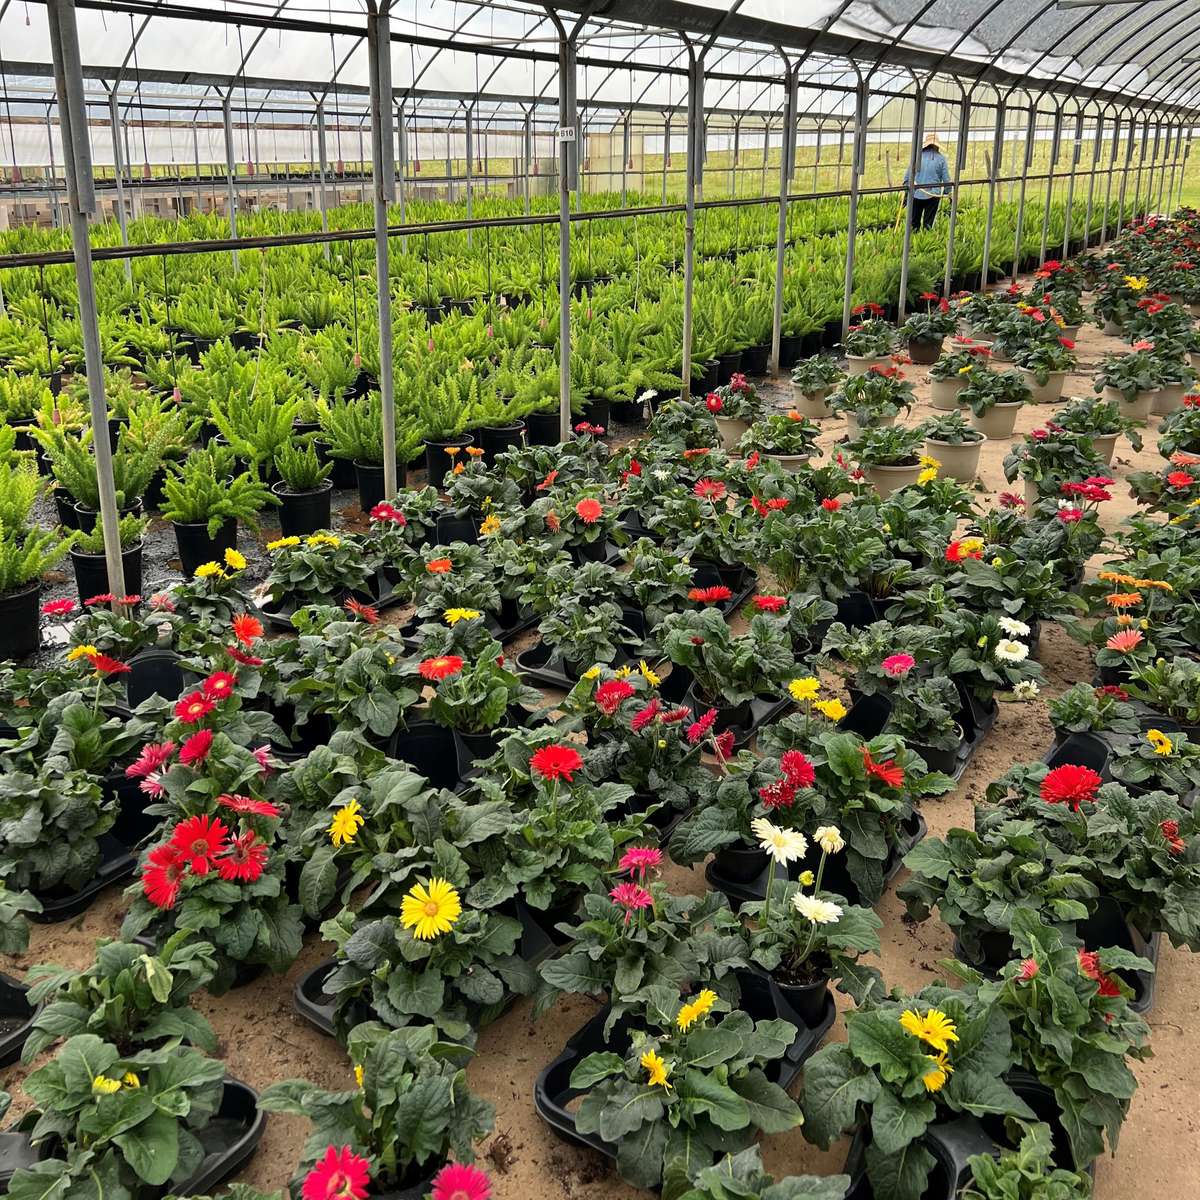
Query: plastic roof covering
[286, 52]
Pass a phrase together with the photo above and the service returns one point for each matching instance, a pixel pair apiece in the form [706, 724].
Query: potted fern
[257, 427]
[443, 411]
[25, 555]
[354, 431]
[304, 489]
[205, 500]
[90, 564]
[74, 468]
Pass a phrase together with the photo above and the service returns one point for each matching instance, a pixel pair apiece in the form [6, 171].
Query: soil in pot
[303, 512]
[196, 547]
[960, 460]
[19, 621]
[91, 572]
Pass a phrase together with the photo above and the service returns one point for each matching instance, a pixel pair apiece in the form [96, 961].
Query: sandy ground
[262, 1040]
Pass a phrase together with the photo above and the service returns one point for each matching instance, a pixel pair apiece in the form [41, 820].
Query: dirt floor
[262, 1039]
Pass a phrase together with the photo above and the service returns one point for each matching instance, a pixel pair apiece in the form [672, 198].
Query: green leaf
[640, 1155]
[152, 1148]
[595, 1068]
[834, 1086]
[725, 1108]
[895, 1123]
[318, 881]
[878, 1040]
[771, 1109]
[627, 1106]
[711, 1045]
[899, 1176]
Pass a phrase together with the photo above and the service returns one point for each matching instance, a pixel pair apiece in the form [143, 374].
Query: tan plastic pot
[1194, 309]
[1105, 445]
[1071, 331]
[1032, 495]
[1194, 359]
[813, 405]
[943, 393]
[960, 460]
[886, 480]
[852, 427]
[1137, 409]
[731, 430]
[998, 422]
[965, 343]
[1050, 391]
[1111, 329]
[860, 366]
[1170, 397]
[792, 463]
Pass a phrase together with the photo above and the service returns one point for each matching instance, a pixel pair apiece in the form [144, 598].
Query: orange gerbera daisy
[1160, 584]
[1114, 577]
[439, 566]
[1123, 599]
[1123, 642]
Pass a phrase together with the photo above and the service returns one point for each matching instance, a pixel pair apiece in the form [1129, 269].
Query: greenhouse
[599, 599]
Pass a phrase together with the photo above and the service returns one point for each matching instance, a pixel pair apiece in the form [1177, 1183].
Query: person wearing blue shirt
[933, 178]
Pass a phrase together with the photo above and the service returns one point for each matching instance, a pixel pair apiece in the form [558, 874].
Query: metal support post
[402, 169]
[858, 168]
[379, 49]
[994, 173]
[470, 148]
[54, 214]
[196, 153]
[762, 183]
[1187, 153]
[527, 151]
[695, 170]
[114, 121]
[227, 117]
[1055, 144]
[1112, 166]
[960, 167]
[322, 169]
[81, 201]
[568, 176]
[362, 161]
[910, 195]
[1076, 151]
[737, 151]
[1097, 148]
[1125, 175]
[1030, 132]
[626, 150]
[787, 158]
[666, 155]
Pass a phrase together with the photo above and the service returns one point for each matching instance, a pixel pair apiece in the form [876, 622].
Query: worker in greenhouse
[933, 178]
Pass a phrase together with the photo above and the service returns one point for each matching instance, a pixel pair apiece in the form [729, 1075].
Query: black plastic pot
[342, 476]
[728, 365]
[710, 380]
[19, 622]
[91, 572]
[1081, 750]
[430, 749]
[196, 547]
[86, 517]
[16, 1018]
[64, 506]
[951, 1144]
[542, 428]
[628, 412]
[495, 439]
[596, 412]
[303, 512]
[831, 333]
[437, 461]
[154, 672]
[856, 610]
[229, 1139]
[456, 529]
[24, 439]
[945, 761]
[740, 863]
[812, 343]
[369, 477]
[754, 360]
[762, 992]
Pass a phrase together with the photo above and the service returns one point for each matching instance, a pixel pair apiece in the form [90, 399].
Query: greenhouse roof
[501, 56]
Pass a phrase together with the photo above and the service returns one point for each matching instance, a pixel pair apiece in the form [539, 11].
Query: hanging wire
[245, 102]
[12, 141]
[175, 393]
[351, 247]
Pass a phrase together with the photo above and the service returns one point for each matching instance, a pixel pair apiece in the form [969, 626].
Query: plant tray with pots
[16, 1022]
[539, 941]
[1081, 750]
[552, 1092]
[278, 615]
[229, 1141]
[509, 623]
[754, 887]
[756, 713]
[1107, 926]
[868, 717]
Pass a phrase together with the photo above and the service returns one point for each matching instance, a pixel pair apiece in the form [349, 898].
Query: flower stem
[766, 909]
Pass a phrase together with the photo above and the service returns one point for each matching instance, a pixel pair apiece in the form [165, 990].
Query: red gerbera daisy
[1180, 479]
[439, 566]
[887, 772]
[724, 745]
[611, 693]
[780, 794]
[797, 768]
[58, 608]
[644, 716]
[1089, 964]
[1070, 784]
[589, 510]
[102, 598]
[829, 504]
[150, 760]
[108, 666]
[339, 1175]
[699, 730]
[770, 603]
[195, 748]
[364, 612]
[245, 859]
[239, 655]
[460, 1181]
[218, 686]
[247, 629]
[547, 482]
[440, 667]
[247, 806]
[556, 762]
[710, 489]
[710, 595]
[198, 841]
[162, 875]
[193, 707]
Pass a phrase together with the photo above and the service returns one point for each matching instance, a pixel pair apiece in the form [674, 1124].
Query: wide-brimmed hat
[932, 139]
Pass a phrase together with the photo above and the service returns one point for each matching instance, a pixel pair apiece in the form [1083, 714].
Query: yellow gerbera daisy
[77, 652]
[832, 710]
[452, 616]
[430, 910]
[928, 475]
[235, 559]
[358, 1075]
[1137, 283]
[623, 672]
[934, 1028]
[283, 542]
[803, 690]
[1159, 740]
[927, 460]
[323, 539]
[347, 821]
[935, 1078]
[490, 525]
[650, 676]
[103, 1086]
[656, 1069]
[130, 1079]
[207, 570]
[592, 673]
[693, 1010]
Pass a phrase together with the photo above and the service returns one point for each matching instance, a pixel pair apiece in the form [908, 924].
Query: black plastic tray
[117, 862]
[16, 1020]
[279, 617]
[753, 890]
[553, 1092]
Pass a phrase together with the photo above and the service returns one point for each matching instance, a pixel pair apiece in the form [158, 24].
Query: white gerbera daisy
[783, 845]
[1013, 627]
[1010, 651]
[829, 838]
[1026, 689]
[818, 911]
